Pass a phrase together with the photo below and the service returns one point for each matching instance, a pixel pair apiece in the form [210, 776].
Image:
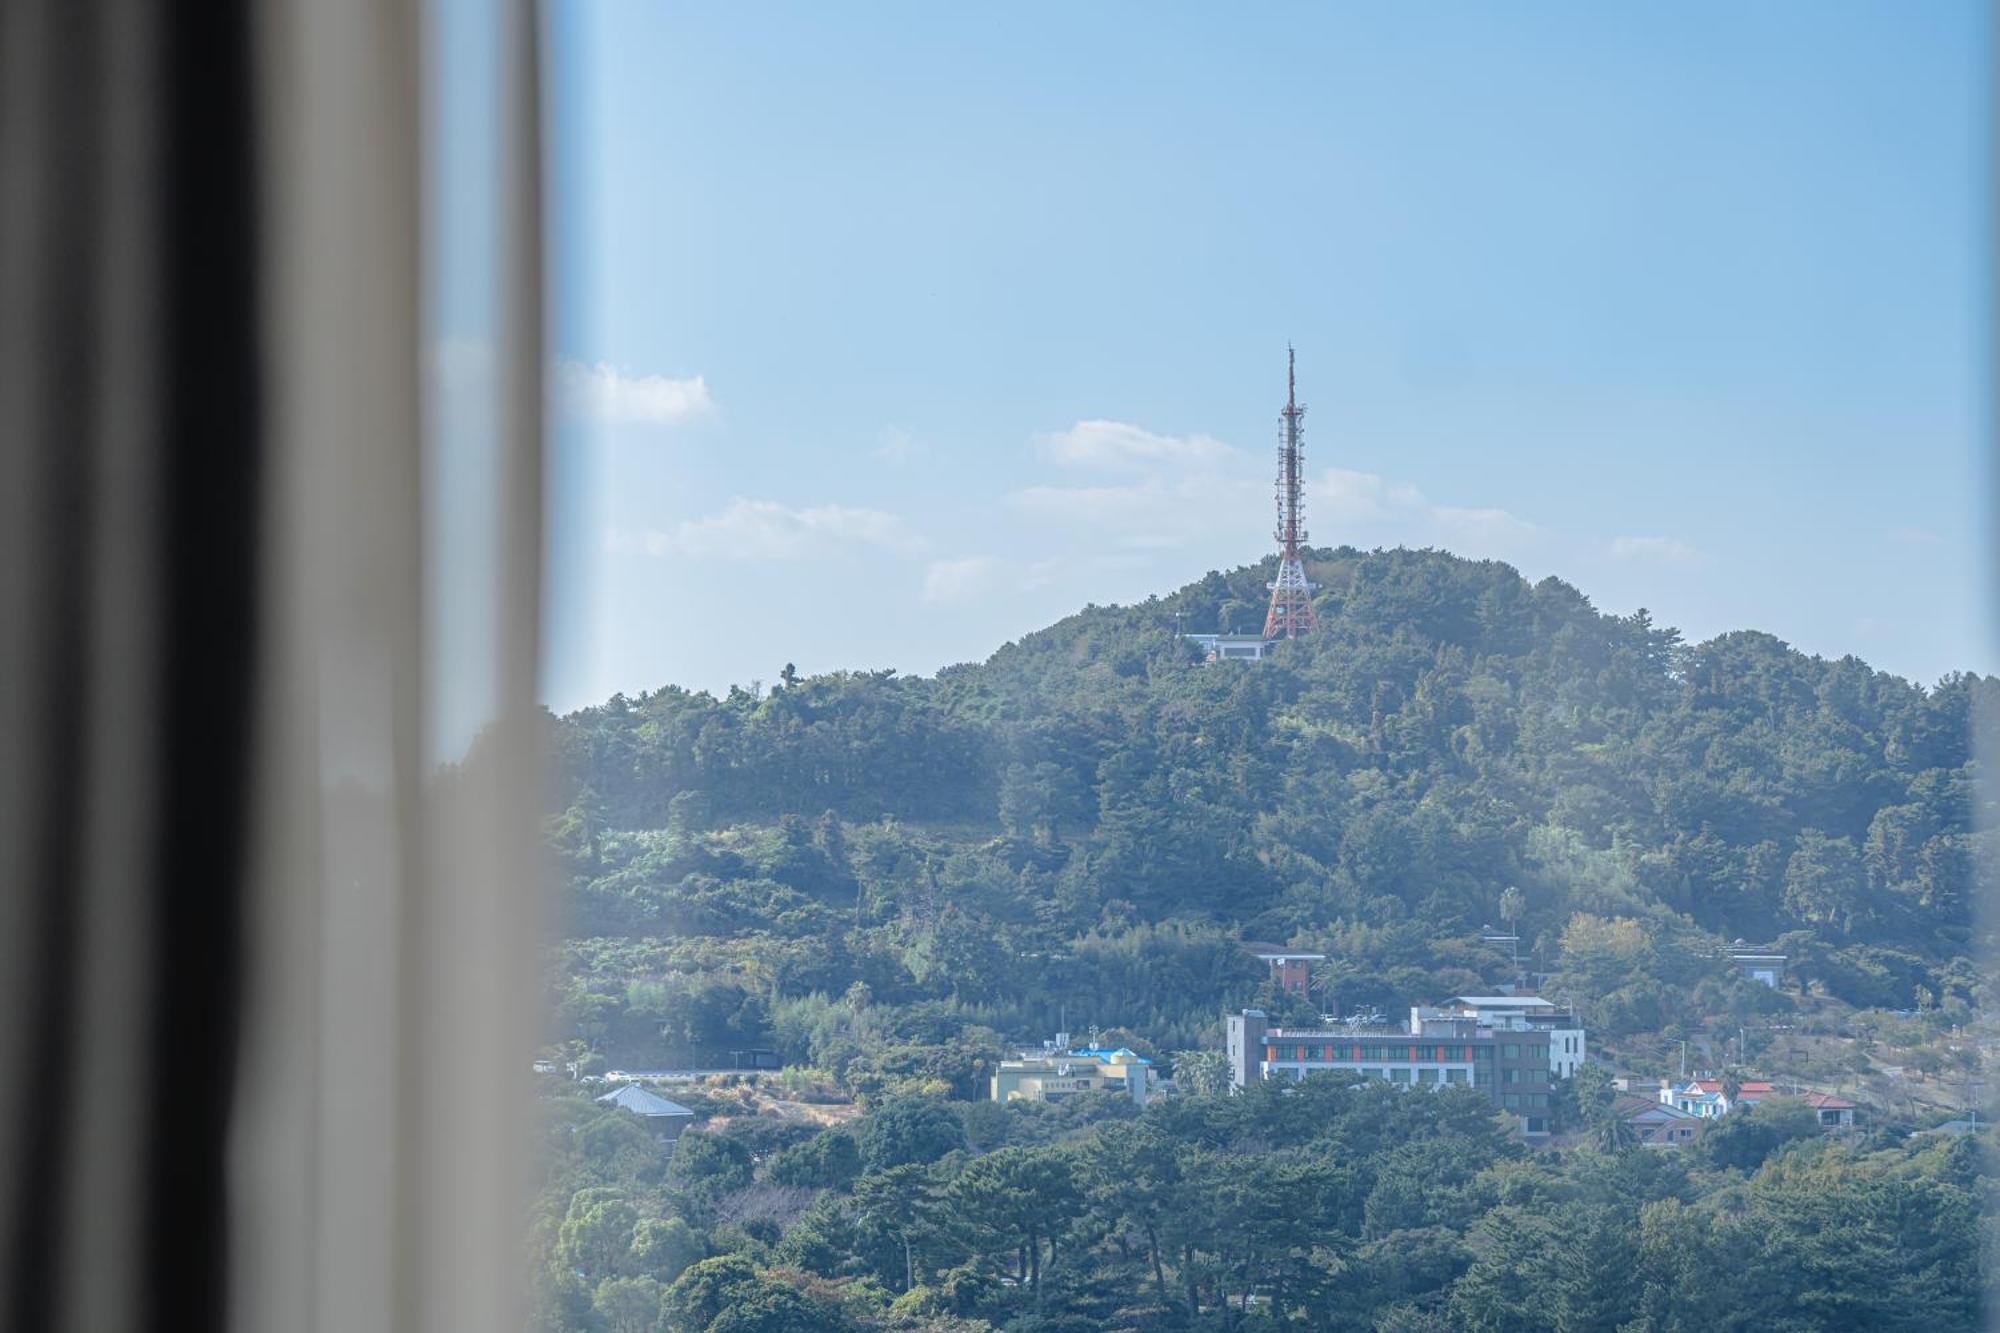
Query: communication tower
[1291, 615]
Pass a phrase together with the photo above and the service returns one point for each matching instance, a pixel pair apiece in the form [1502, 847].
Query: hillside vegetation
[895, 881]
[1087, 823]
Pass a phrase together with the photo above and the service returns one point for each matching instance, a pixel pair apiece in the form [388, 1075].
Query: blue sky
[892, 332]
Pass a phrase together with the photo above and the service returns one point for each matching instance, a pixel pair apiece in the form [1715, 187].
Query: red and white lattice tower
[1291, 614]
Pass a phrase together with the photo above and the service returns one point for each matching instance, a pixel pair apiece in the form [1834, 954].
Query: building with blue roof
[1053, 1075]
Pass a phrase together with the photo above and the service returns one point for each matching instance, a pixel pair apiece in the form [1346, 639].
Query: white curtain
[265, 948]
[379, 1153]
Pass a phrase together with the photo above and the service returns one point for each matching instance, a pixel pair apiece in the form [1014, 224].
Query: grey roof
[1503, 1001]
[641, 1102]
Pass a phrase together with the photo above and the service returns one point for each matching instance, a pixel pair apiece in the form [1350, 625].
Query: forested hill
[1454, 730]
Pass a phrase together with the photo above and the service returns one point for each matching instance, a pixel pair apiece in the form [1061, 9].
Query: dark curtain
[129, 421]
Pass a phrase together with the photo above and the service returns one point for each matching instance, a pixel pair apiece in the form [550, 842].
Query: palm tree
[1615, 1132]
[1204, 1072]
[1512, 903]
[1327, 979]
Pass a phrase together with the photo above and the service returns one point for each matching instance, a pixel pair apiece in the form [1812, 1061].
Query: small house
[1657, 1124]
[665, 1119]
[1834, 1112]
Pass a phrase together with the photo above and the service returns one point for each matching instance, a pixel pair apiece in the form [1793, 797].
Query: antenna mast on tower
[1291, 614]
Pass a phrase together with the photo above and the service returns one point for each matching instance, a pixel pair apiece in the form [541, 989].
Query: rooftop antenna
[1291, 614]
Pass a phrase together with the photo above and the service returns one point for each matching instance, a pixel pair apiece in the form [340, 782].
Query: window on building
[1427, 1076]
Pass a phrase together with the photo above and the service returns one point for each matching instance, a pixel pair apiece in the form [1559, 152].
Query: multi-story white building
[1518, 1013]
[1503, 1054]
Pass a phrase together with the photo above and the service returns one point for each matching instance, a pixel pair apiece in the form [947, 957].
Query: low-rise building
[1657, 1124]
[1510, 1065]
[1709, 1099]
[1291, 971]
[1230, 647]
[1051, 1076]
[665, 1119]
[1766, 967]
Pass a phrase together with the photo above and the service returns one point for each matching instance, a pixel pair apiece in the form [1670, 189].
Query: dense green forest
[895, 880]
[1324, 1205]
[1089, 821]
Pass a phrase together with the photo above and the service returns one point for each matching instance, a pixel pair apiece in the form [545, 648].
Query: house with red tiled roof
[1707, 1098]
[1834, 1112]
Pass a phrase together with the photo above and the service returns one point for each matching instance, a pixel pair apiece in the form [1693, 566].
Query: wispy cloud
[1660, 552]
[1156, 512]
[609, 396]
[1365, 508]
[959, 580]
[1342, 496]
[898, 446]
[768, 530]
[1187, 488]
[1912, 536]
[1119, 444]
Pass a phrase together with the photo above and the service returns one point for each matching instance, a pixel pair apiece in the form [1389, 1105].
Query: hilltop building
[1051, 1075]
[1510, 1061]
[1230, 647]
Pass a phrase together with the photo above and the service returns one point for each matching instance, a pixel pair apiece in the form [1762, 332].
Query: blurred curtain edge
[268, 980]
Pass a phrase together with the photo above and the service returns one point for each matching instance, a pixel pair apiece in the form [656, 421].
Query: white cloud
[609, 396]
[1364, 509]
[1118, 444]
[1154, 513]
[1360, 498]
[1912, 536]
[767, 530]
[1193, 488]
[898, 446]
[1660, 552]
[1494, 529]
[959, 580]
